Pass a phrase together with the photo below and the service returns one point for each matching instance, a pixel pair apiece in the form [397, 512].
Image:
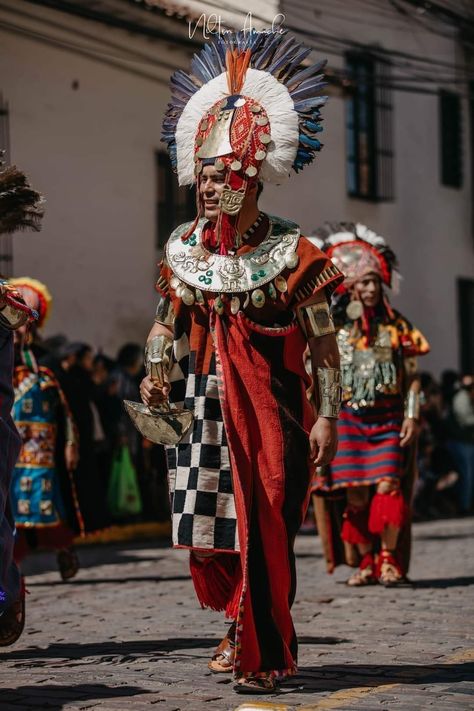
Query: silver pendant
[179, 291]
[174, 282]
[219, 306]
[199, 297]
[247, 301]
[291, 260]
[280, 283]
[272, 291]
[187, 296]
[235, 305]
[258, 298]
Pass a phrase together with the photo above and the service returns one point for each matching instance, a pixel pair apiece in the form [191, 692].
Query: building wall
[91, 151]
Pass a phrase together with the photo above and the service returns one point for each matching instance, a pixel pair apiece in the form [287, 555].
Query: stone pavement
[126, 634]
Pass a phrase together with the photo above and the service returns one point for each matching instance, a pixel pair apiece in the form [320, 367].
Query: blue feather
[306, 73]
[308, 104]
[310, 142]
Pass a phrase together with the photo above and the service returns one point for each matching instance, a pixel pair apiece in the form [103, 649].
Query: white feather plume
[278, 104]
[369, 236]
[188, 124]
[339, 237]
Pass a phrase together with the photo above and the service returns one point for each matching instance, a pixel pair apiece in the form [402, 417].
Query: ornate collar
[195, 266]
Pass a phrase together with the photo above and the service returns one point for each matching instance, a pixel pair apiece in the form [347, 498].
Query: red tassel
[214, 579]
[232, 608]
[355, 529]
[387, 510]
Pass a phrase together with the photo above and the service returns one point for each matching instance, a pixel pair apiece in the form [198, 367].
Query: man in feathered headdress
[242, 295]
[378, 423]
[20, 208]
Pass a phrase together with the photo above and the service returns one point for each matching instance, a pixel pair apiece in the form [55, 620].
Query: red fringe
[355, 526]
[387, 510]
[215, 580]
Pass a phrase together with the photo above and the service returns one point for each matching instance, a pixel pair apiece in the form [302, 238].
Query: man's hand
[71, 456]
[323, 441]
[151, 394]
[409, 431]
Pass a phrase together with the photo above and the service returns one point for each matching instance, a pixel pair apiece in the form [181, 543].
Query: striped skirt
[369, 445]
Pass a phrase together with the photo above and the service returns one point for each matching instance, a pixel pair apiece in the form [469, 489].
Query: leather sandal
[366, 573]
[12, 622]
[389, 571]
[223, 658]
[256, 685]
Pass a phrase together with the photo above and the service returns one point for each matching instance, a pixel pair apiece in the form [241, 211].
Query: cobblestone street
[127, 634]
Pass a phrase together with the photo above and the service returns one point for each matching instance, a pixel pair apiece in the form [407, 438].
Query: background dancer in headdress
[40, 411]
[242, 294]
[379, 419]
[20, 208]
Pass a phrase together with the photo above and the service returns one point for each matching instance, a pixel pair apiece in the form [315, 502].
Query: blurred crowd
[95, 386]
[446, 447]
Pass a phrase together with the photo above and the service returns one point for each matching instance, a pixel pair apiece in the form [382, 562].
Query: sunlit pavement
[127, 634]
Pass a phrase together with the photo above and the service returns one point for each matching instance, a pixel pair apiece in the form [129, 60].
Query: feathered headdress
[21, 207]
[42, 296]
[251, 107]
[357, 250]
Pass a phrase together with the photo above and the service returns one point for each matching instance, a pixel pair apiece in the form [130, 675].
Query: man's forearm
[324, 355]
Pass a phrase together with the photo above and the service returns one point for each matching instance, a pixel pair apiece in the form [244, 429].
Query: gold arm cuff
[318, 320]
[12, 318]
[158, 352]
[412, 405]
[164, 312]
[330, 392]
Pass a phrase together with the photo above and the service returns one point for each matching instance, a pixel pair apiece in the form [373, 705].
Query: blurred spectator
[435, 488]
[450, 383]
[462, 441]
[127, 376]
[76, 362]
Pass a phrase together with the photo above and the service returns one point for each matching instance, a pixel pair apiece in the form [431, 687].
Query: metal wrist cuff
[330, 392]
[164, 312]
[412, 405]
[158, 352]
[12, 318]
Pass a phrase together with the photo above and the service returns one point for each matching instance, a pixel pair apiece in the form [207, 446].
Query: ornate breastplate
[196, 269]
[366, 371]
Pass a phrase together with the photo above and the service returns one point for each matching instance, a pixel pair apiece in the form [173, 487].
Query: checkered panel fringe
[203, 507]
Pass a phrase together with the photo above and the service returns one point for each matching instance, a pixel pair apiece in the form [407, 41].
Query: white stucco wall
[91, 151]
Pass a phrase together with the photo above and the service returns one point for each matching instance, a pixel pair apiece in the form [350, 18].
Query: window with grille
[450, 139]
[369, 128]
[174, 205]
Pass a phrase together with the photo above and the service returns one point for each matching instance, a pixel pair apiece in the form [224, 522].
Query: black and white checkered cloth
[202, 506]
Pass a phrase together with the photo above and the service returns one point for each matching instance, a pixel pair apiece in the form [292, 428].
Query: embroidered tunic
[373, 380]
[36, 495]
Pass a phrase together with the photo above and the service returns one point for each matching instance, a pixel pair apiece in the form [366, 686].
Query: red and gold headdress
[356, 250]
[36, 295]
[250, 107]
